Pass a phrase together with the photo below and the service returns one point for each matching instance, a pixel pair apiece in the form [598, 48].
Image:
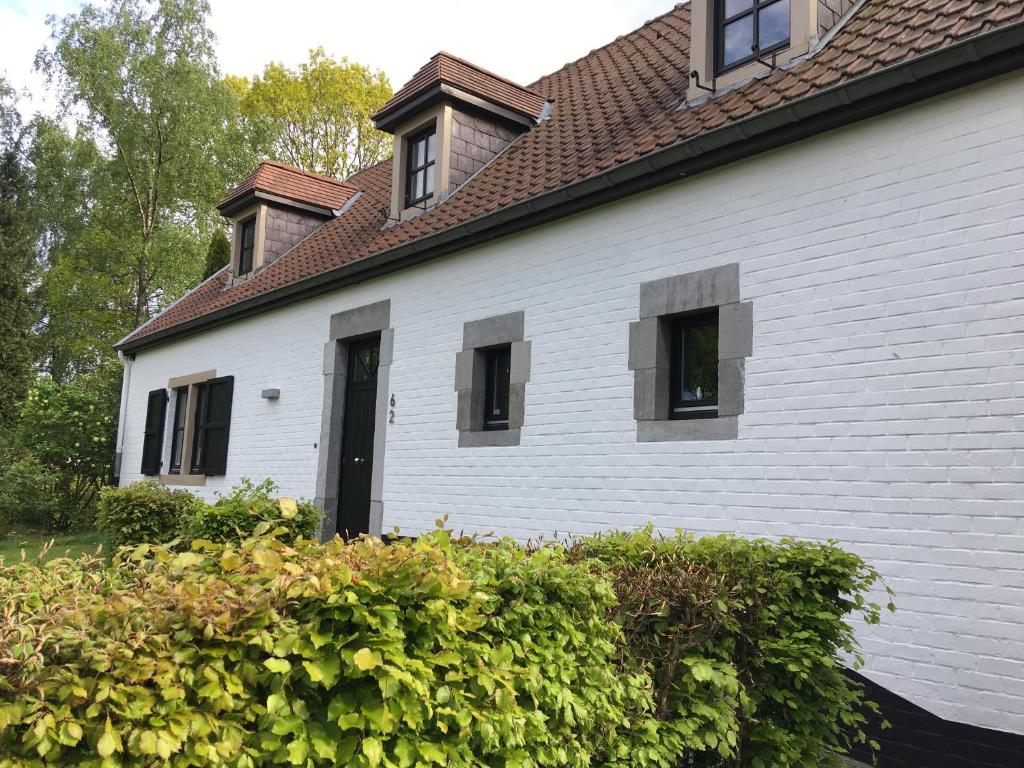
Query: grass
[33, 542]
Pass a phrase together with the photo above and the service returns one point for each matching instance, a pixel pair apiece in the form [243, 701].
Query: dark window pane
[178, 438]
[430, 148]
[246, 246]
[739, 39]
[773, 25]
[694, 366]
[700, 365]
[428, 185]
[197, 443]
[496, 388]
[419, 175]
[732, 7]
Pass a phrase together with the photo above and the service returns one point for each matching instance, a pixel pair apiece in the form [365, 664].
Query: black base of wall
[919, 739]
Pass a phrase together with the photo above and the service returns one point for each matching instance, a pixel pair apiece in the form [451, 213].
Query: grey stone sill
[496, 438]
[186, 480]
[666, 430]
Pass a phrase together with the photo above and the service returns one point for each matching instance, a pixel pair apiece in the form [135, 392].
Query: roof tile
[615, 104]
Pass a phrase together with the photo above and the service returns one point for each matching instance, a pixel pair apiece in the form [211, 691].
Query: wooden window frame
[722, 21]
[412, 170]
[247, 224]
[179, 425]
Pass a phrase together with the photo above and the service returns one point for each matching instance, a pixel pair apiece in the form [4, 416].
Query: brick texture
[475, 141]
[284, 230]
[884, 395]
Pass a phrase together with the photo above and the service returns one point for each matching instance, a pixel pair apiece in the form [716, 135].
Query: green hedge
[144, 512]
[149, 513]
[236, 516]
[756, 624]
[429, 652]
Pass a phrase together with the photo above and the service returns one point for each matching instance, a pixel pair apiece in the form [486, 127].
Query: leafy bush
[758, 626]
[69, 429]
[28, 493]
[363, 654]
[236, 516]
[144, 512]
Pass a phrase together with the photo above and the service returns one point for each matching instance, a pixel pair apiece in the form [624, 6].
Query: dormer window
[419, 177]
[750, 29]
[246, 245]
[274, 209]
[449, 121]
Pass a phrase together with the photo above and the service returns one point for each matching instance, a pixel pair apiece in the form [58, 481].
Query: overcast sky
[520, 40]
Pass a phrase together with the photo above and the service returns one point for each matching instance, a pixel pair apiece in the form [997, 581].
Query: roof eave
[946, 69]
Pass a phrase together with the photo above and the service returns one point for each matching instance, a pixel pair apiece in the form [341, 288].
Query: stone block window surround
[668, 307]
[492, 348]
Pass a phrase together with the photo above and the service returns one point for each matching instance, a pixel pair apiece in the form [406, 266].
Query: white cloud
[521, 41]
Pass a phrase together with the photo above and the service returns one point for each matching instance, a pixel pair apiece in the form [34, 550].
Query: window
[693, 374]
[419, 175]
[178, 433]
[211, 426]
[748, 29]
[491, 374]
[496, 387]
[153, 433]
[246, 245]
[688, 355]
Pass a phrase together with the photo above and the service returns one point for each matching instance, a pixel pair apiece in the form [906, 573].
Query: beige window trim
[185, 477]
[803, 25]
[259, 210]
[441, 117]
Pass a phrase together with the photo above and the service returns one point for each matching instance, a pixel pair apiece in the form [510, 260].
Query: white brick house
[872, 225]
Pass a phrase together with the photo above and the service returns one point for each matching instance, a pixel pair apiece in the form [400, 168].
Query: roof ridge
[303, 172]
[486, 71]
[610, 43]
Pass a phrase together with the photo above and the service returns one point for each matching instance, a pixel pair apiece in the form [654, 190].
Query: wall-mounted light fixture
[270, 394]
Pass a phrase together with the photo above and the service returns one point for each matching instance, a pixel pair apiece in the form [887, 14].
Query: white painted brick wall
[885, 395]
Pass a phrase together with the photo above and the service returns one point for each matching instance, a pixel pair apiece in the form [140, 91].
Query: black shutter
[153, 436]
[214, 424]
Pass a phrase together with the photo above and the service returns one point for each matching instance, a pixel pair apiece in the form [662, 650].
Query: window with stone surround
[200, 424]
[491, 373]
[687, 353]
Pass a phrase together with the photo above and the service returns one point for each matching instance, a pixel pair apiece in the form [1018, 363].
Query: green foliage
[218, 255]
[126, 203]
[28, 493]
[319, 115]
[760, 626]
[69, 430]
[17, 263]
[361, 654]
[237, 516]
[144, 512]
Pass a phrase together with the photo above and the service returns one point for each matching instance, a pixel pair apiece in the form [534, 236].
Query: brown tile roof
[618, 103]
[451, 70]
[294, 184]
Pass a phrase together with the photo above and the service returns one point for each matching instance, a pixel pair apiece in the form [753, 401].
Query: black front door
[357, 437]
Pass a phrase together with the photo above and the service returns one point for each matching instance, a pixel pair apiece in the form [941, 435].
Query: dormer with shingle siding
[449, 121]
[275, 208]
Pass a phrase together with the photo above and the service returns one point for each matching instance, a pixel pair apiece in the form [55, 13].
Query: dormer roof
[447, 75]
[277, 182]
[621, 123]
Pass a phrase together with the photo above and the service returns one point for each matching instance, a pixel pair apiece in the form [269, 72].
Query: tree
[68, 430]
[319, 115]
[141, 78]
[17, 263]
[218, 254]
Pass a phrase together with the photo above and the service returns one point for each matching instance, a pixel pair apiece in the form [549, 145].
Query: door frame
[346, 327]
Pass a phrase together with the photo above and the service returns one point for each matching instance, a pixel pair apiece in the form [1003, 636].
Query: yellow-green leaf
[365, 659]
